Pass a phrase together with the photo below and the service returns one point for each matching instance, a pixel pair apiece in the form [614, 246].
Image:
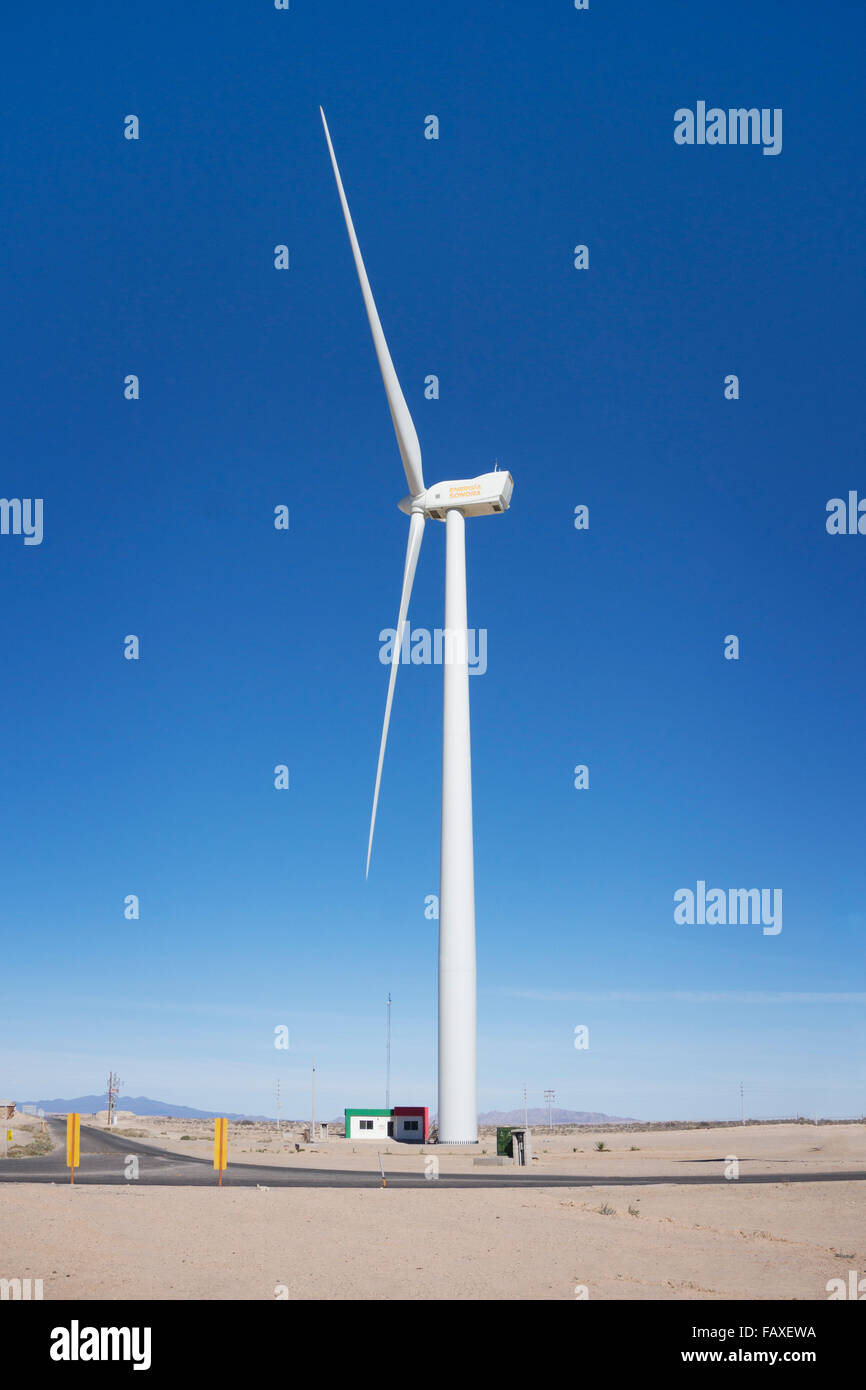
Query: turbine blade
[407, 439]
[413, 547]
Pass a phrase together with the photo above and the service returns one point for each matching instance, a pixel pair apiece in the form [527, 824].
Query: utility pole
[525, 1112]
[742, 1104]
[113, 1092]
[550, 1097]
[313, 1121]
[388, 1053]
[278, 1107]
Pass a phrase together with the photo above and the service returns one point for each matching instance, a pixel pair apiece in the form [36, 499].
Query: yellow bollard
[220, 1146]
[73, 1144]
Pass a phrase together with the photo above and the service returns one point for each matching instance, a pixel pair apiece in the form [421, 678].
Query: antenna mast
[388, 1053]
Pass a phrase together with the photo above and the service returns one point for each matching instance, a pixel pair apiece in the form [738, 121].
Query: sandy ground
[720, 1241]
[760, 1148]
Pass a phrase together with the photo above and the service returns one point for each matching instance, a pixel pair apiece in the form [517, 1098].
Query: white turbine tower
[450, 502]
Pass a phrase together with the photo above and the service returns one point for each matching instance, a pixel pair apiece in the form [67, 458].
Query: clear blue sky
[605, 647]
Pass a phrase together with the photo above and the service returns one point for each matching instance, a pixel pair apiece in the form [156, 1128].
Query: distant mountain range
[537, 1116]
[139, 1105]
[143, 1105]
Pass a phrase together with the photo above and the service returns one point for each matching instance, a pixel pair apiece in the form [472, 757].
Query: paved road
[104, 1159]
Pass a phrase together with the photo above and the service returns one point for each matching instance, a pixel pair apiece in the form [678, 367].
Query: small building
[409, 1124]
[369, 1124]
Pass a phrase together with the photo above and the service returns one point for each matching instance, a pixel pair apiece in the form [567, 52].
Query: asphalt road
[105, 1159]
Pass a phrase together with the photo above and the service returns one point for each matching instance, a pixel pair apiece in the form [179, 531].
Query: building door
[390, 1129]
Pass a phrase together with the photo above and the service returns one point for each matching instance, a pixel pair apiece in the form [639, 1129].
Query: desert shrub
[35, 1149]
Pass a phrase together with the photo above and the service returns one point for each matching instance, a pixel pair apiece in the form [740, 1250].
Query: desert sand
[725, 1240]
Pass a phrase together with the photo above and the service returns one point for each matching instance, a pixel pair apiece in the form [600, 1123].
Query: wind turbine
[449, 502]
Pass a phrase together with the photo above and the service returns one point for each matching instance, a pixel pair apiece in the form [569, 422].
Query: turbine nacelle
[484, 496]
